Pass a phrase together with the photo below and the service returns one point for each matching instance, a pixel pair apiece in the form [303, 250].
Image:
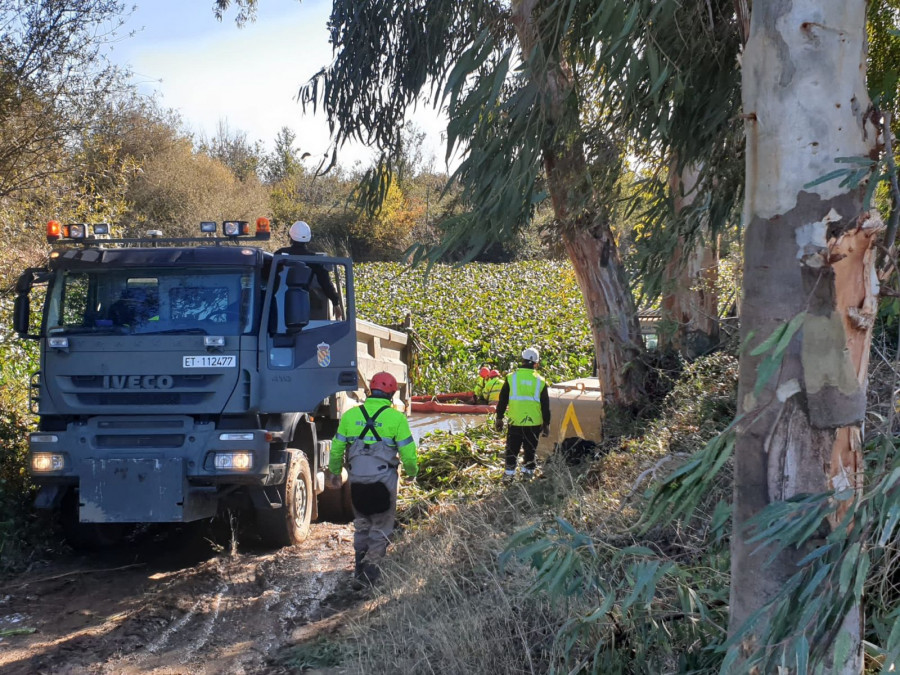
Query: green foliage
[320, 653]
[55, 81]
[651, 612]
[667, 74]
[385, 235]
[699, 407]
[19, 531]
[10, 632]
[839, 538]
[233, 149]
[178, 188]
[455, 466]
[655, 579]
[465, 316]
[882, 74]
[679, 494]
[285, 161]
[772, 349]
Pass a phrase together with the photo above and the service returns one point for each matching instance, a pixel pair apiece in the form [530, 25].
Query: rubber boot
[358, 569]
[370, 574]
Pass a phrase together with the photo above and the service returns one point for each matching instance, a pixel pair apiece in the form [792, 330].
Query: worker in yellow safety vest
[373, 435]
[525, 401]
[484, 374]
[493, 386]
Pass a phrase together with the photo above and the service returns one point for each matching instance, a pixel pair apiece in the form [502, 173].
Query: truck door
[308, 345]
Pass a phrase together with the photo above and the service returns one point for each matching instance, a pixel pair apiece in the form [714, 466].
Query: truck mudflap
[141, 490]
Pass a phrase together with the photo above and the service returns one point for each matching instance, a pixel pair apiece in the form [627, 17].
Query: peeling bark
[690, 301]
[585, 226]
[808, 248]
[607, 298]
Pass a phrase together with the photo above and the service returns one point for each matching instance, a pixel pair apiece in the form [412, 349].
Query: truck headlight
[235, 461]
[42, 462]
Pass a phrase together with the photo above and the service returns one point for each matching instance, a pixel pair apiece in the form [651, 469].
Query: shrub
[20, 533]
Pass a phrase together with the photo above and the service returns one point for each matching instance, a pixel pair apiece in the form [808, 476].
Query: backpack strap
[370, 422]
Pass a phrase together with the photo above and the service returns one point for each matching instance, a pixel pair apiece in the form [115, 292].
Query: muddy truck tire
[289, 524]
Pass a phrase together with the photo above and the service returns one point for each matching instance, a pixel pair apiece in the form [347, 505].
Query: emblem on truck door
[323, 354]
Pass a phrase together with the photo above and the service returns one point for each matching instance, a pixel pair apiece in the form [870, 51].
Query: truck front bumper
[149, 469]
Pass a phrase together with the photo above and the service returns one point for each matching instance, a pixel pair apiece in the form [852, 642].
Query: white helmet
[531, 354]
[300, 232]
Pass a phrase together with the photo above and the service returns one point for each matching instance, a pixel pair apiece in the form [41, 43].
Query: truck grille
[149, 398]
[140, 441]
[89, 390]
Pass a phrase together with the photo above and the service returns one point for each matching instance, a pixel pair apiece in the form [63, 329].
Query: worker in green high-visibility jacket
[373, 435]
[525, 401]
[493, 386]
[483, 376]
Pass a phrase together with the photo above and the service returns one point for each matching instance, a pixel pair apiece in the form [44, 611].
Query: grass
[450, 607]
[456, 598]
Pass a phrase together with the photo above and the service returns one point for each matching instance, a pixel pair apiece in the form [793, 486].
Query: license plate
[209, 361]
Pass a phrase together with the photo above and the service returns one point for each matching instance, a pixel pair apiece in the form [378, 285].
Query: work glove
[334, 480]
[498, 424]
[545, 430]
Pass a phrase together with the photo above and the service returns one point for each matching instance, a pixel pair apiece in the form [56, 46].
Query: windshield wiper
[88, 330]
[174, 331]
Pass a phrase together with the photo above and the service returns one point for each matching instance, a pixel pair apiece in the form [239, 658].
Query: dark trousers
[521, 437]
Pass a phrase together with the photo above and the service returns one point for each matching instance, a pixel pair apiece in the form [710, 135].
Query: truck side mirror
[22, 315]
[296, 297]
[296, 309]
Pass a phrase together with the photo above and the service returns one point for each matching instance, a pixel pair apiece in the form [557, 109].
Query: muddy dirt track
[170, 604]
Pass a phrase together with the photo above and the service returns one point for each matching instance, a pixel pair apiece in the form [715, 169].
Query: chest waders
[371, 462]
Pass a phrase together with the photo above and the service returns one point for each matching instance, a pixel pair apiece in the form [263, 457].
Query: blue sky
[249, 77]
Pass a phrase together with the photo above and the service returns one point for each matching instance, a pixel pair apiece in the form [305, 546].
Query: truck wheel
[289, 524]
[88, 536]
[335, 506]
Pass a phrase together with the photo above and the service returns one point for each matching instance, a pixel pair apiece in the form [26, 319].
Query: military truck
[179, 376]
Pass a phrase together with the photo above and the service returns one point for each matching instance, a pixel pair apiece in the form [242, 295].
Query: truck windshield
[148, 301]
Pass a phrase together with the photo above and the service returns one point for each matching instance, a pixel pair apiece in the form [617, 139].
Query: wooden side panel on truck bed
[378, 349]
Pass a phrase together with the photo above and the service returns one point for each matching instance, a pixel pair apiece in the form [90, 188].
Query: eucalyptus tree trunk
[584, 223]
[807, 249]
[690, 301]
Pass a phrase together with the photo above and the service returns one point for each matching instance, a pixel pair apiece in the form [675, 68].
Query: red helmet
[383, 382]
[495, 373]
[484, 373]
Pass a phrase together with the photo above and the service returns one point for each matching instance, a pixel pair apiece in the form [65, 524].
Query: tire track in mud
[212, 615]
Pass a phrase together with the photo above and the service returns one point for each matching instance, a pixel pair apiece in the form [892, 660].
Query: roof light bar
[235, 228]
[76, 231]
[84, 232]
[54, 231]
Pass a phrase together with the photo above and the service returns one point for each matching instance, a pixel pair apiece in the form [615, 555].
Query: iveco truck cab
[178, 375]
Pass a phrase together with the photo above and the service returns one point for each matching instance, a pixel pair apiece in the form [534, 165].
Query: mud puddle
[171, 606]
